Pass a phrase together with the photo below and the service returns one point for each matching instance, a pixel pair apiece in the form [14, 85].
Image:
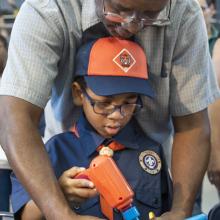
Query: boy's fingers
[72, 172]
[85, 193]
[83, 183]
[80, 195]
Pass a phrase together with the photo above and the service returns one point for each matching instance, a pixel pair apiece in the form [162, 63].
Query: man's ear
[77, 94]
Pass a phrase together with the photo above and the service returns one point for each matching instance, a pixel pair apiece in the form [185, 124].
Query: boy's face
[107, 125]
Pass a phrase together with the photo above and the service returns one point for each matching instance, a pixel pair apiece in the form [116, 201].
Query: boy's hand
[76, 190]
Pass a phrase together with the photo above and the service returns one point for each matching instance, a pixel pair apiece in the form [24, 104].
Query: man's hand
[214, 168]
[80, 217]
[172, 215]
[190, 157]
[76, 190]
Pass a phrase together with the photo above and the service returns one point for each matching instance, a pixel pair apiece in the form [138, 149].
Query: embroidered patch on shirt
[150, 162]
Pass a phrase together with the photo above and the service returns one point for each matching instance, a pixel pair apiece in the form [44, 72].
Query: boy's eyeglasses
[105, 108]
[141, 19]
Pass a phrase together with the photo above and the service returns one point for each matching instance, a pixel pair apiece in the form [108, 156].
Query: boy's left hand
[76, 190]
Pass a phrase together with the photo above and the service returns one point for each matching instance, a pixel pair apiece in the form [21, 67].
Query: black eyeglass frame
[137, 106]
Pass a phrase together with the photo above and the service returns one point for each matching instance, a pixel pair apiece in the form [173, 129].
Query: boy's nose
[117, 114]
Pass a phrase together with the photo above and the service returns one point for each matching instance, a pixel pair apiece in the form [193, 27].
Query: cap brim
[112, 85]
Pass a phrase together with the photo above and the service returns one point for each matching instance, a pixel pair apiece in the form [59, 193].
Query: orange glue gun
[115, 192]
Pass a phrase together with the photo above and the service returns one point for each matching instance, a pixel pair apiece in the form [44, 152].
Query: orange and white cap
[112, 66]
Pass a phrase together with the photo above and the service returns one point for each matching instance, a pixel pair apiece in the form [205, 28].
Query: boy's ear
[77, 94]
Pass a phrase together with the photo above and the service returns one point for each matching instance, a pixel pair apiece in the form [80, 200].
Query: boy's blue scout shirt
[47, 34]
[152, 192]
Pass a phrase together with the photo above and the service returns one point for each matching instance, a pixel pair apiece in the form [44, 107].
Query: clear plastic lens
[144, 19]
[125, 109]
[106, 108]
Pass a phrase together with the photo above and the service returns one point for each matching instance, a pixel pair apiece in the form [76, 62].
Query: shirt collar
[90, 139]
[90, 18]
[214, 32]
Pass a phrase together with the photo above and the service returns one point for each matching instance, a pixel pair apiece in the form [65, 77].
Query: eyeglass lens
[145, 19]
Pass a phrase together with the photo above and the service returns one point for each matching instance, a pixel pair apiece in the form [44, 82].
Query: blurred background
[8, 12]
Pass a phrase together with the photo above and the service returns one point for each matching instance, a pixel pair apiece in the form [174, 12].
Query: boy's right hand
[76, 190]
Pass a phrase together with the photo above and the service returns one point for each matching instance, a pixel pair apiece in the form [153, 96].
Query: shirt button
[76, 207]
[116, 210]
[155, 201]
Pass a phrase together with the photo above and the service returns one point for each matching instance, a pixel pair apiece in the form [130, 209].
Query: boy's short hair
[112, 66]
[81, 81]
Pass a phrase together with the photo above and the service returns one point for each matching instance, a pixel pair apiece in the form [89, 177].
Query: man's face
[125, 8]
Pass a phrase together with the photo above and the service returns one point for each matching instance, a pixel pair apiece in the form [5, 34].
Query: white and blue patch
[150, 162]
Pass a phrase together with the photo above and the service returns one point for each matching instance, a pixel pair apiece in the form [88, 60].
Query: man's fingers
[80, 217]
[214, 177]
[215, 180]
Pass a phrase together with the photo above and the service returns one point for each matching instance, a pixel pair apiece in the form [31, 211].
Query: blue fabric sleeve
[19, 196]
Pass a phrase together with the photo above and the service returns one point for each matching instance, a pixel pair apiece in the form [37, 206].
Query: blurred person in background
[10, 7]
[3, 30]
[5, 183]
[214, 109]
[3, 54]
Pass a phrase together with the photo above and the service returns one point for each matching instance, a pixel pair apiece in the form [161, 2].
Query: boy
[111, 76]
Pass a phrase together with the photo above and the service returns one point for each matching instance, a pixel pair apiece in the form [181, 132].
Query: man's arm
[190, 156]
[27, 156]
[214, 116]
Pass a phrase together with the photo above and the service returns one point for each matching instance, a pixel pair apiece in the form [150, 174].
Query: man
[41, 61]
